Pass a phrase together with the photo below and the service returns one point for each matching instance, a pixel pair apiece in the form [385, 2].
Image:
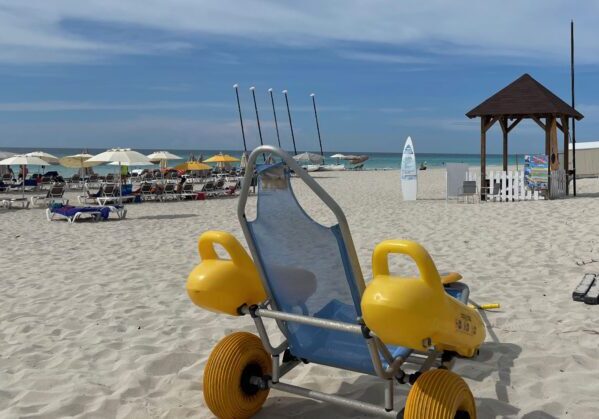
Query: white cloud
[383, 58]
[38, 30]
[56, 106]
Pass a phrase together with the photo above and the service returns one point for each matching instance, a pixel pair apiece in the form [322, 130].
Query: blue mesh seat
[307, 270]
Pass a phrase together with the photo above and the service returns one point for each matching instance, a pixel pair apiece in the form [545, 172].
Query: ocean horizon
[376, 160]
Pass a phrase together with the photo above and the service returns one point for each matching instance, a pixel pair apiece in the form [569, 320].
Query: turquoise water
[377, 161]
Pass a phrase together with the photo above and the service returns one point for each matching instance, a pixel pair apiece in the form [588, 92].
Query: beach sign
[536, 172]
[409, 180]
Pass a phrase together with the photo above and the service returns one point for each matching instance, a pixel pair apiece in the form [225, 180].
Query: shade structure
[78, 161]
[221, 158]
[338, 156]
[50, 158]
[309, 157]
[121, 156]
[23, 160]
[163, 155]
[190, 166]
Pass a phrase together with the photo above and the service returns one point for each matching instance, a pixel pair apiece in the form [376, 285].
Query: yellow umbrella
[221, 158]
[192, 165]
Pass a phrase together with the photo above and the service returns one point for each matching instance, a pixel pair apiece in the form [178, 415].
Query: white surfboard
[409, 172]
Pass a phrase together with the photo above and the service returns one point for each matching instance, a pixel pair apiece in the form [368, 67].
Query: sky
[159, 74]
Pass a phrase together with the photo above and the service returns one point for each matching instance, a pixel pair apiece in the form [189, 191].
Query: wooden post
[548, 153]
[565, 128]
[504, 129]
[483, 157]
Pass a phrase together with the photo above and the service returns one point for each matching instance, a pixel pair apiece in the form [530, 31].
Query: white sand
[95, 321]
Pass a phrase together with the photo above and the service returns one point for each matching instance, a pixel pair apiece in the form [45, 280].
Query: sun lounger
[72, 213]
[307, 277]
[54, 194]
[12, 202]
[74, 182]
[169, 192]
[188, 192]
[146, 192]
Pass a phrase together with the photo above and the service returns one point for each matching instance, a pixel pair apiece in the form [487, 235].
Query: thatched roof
[524, 97]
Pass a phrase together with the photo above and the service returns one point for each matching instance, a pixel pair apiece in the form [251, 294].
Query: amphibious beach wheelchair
[307, 277]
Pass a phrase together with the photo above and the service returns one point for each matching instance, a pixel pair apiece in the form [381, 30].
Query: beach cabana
[525, 98]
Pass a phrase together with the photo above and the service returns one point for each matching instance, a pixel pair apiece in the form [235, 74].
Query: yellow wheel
[440, 394]
[228, 392]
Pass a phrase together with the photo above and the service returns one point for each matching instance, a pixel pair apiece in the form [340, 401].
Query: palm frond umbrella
[121, 156]
[23, 160]
[162, 157]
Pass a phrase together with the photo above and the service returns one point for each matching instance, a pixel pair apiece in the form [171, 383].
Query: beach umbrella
[50, 158]
[338, 156]
[162, 157]
[23, 160]
[310, 157]
[78, 161]
[192, 166]
[221, 158]
[121, 156]
[6, 154]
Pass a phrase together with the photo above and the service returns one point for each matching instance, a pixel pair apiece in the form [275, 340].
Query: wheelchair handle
[426, 266]
[238, 254]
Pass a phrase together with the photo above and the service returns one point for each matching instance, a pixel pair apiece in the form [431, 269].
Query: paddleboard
[409, 173]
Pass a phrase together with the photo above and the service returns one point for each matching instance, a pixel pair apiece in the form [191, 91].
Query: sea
[376, 161]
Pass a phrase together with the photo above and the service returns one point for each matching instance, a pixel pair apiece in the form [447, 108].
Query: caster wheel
[440, 394]
[228, 392]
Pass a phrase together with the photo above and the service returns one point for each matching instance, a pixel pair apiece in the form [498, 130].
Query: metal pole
[236, 87]
[317, 125]
[253, 90]
[274, 112]
[290, 124]
[573, 105]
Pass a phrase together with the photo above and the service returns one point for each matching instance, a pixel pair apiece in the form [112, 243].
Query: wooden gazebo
[525, 98]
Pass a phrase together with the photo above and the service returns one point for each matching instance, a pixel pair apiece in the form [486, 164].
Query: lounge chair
[93, 181]
[169, 192]
[110, 178]
[146, 192]
[72, 213]
[7, 178]
[45, 181]
[54, 194]
[90, 197]
[9, 203]
[188, 192]
[468, 190]
[111, 194]
[74, 182]
[307, 277]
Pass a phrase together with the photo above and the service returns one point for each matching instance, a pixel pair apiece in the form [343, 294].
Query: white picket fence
[513, 188]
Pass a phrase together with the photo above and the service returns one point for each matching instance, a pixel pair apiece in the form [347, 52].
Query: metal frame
[419, 361]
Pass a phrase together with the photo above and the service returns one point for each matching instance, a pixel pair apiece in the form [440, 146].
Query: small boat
[311, 167]
[332, 167]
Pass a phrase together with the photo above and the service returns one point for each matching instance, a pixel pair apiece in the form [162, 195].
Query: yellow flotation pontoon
[307, 277]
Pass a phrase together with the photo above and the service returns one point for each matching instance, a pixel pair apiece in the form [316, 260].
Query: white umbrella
[23, 160]
[6, 154]
[121, 156]
[162, 157]
[50, 158]
[338, 156]
[311, 157]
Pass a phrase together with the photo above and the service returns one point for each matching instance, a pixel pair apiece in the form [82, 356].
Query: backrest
[469, 187]
[307, 268]
[109, 190]
[146, 187]
[169, 188]
[187, 187]
[57, 191]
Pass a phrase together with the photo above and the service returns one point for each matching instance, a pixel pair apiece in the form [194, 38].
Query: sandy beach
[96, 323]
